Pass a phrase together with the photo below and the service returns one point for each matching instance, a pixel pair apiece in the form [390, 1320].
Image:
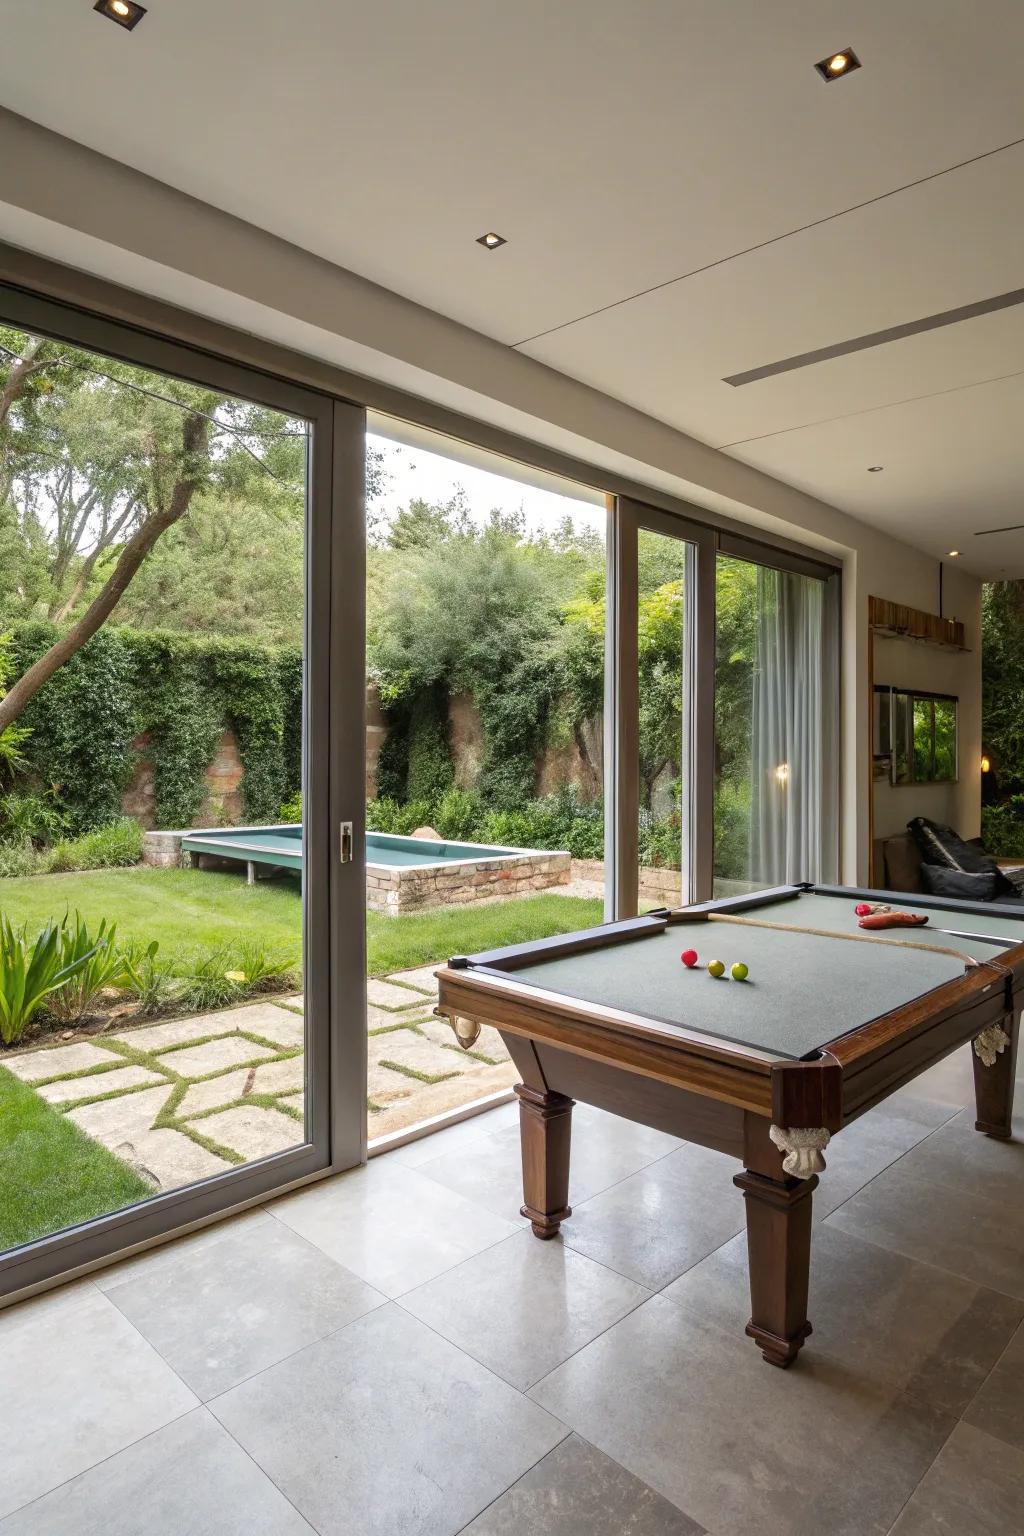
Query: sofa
[900, 860]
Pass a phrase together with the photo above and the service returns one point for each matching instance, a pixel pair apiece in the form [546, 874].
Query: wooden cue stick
[830, 933]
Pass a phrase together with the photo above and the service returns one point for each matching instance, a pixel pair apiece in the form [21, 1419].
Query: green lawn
[52, 1175]
[187, 910]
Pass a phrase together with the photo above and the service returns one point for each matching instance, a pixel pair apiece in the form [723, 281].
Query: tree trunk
[195, 438]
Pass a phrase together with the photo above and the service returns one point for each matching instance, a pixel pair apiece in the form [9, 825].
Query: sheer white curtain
[793, 809]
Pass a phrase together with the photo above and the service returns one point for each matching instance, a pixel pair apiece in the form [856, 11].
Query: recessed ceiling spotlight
[491, 241]
[954, 554]
[125, 12]
[875, 469]
[838, 64]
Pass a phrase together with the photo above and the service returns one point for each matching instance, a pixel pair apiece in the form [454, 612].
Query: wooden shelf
[899, 622]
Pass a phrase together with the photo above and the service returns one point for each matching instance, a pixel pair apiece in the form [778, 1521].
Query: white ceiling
[684, 146]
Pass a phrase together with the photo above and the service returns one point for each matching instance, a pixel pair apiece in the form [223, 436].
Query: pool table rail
[671, 1053]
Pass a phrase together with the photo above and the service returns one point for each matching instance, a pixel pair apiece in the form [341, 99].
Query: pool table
[830, 1020]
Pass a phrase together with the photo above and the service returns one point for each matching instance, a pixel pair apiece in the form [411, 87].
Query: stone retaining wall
[661, 886]
[396, 889]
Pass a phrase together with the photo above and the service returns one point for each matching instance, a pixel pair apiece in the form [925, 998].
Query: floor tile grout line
[515, 1481]
[525, 1391]
[263, 1472]
[1018, 1331]
[197, 1407]
[924, 1474]
[894, 1389]
[896, 1161]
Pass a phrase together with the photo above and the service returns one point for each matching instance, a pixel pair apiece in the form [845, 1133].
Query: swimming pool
[403, 874]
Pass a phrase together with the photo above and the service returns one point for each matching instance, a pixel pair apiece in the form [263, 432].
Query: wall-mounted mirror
[915, 736]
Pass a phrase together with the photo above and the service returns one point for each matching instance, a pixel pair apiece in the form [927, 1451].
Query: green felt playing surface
[956, 930]
[803, 991]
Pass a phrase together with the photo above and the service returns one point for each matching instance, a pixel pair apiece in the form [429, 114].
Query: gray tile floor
[391, 1353]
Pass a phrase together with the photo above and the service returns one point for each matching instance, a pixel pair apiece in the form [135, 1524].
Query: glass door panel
[164, 660]
[663, 755]
[485, 745]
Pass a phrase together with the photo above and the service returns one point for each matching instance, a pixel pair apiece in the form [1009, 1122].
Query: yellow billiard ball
[716, 968]
[739, 971]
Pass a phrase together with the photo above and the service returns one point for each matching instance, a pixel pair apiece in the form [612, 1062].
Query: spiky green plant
[30, 972]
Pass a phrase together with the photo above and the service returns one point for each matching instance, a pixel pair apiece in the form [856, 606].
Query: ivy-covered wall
[183, 692]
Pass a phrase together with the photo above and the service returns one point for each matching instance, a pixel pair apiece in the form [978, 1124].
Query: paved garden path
[190, 1097]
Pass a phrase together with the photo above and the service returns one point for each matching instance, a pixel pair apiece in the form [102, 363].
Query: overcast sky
[411, 472]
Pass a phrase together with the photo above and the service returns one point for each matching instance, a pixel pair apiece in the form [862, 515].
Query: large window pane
[661, 614]
[150, 774]
[485, 687]
[775, 697]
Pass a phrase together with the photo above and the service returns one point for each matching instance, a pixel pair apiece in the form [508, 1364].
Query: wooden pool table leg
[545, 1126]
[994, 1075]
[778, 1211]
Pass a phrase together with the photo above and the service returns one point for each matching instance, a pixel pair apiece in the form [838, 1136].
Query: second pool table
[830, 1021]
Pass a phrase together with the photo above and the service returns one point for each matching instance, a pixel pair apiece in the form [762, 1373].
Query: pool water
[386, 848]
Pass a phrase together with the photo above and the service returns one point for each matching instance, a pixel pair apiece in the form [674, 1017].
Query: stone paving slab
[298, 1001]
[384, 995]
[488, 1043]
[286, 1076]
[413, 1051]
[278, 1025]
[252, 1132]
[386, 1087]
[381, 1018]
[159, 1037]
[70, 1088]
[422, 977]
[123, 1119]
[228, 1051]
[58, 1061]
[211, 1095]
[171, 1158]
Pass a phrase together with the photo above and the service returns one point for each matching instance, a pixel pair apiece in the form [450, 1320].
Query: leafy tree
[98, 461]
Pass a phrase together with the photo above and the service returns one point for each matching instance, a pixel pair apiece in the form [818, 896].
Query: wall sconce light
[782, 774]
[986, 763]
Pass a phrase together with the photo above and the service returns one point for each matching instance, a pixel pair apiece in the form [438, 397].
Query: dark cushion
[941, 846]
[961, 884]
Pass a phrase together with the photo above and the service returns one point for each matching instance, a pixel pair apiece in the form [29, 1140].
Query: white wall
[66, 202]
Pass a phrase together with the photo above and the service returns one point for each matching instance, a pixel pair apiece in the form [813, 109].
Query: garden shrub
[113, 847]
[19, 858]
[431, 772]
[182, 692]
[1002, 828]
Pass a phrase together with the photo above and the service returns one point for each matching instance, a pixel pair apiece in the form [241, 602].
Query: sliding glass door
[723, 692]
[660, 640]
[179, 742]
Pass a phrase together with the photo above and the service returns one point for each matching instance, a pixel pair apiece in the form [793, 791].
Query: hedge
[183, 691]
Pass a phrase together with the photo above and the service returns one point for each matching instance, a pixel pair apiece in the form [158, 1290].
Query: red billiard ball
[863, 908]
[689, 958]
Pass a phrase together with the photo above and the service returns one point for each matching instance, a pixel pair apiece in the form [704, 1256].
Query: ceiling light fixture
[954, 554]
[491, 241]
[875, 469]
[838, 64]
[125, 12]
